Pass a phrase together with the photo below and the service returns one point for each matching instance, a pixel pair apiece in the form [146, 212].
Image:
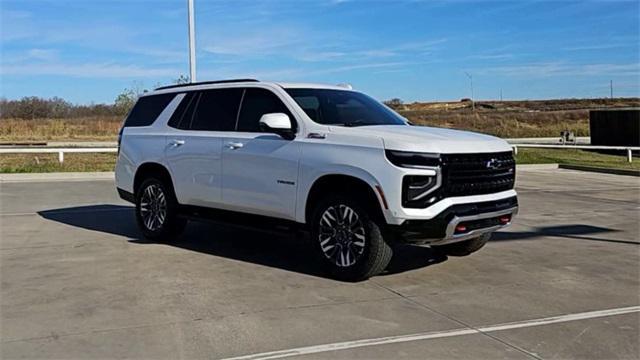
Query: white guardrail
[629, 149]
[61, 151]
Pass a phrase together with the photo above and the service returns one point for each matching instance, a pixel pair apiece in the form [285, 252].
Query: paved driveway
[78, 282]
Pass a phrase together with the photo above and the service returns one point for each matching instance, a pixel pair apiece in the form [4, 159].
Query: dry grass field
[507, 119]
[512, 119]
[93, 128]
[506, 124]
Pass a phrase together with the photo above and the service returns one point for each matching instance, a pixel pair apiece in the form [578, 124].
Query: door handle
[176, 143]
[235, 145]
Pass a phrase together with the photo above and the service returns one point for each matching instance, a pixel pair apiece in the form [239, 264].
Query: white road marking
[435, 335]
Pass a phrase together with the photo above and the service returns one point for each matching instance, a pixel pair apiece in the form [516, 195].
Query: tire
[464, 248]
[157, 211]
[348, 239]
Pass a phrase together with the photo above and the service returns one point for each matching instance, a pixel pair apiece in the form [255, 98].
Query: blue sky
[89, 51]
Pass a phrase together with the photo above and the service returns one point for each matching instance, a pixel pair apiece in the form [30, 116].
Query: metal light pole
[611, 88]
[192, 44]
[473, 105]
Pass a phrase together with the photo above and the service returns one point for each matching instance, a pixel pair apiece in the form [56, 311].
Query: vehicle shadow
[574, 231]
[285, 252]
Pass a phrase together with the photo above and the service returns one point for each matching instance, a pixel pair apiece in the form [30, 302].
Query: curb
[601, 170]
[525, 167]
[60, 176]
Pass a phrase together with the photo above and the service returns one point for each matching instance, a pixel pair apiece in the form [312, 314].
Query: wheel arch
[148, 169]
[350, 184]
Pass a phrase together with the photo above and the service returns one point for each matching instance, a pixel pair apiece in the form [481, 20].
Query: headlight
[416, 190]
[412, 159]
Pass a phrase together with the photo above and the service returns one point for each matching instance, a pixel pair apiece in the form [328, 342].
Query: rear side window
[147, 109]
[181, 117]
[217, 110]
[257, 102]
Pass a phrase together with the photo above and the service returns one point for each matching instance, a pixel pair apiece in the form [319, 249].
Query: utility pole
[192, 43]
[473, 105]
[500, 94]
[611, 87]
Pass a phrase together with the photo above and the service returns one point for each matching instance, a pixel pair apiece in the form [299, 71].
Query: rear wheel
[465, 248]
[157, 211]
[349, 239]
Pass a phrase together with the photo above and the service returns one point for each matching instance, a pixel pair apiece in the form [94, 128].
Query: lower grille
[475, 174]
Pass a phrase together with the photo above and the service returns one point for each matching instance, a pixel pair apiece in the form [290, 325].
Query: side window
[257, 102]
[147, 109]
[178, 117]
[217, 110]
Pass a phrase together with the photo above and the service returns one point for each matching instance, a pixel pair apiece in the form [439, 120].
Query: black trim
[126, 196]
[206, 83]
[468, 174]
[408, 159]
[471, 174]
[416, 231]
[241, 220]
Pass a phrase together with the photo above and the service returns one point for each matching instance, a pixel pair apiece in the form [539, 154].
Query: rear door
[194, 146]
[260, 170]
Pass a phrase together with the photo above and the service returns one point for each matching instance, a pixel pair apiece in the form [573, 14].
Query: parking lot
[77, 281]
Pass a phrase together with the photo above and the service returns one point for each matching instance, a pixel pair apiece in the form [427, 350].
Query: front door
[260, 170]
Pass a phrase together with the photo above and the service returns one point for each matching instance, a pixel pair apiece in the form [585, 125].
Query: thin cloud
[594, 47]
[344, 53]
[361, 66]
[566, 69]
[35, 54]
[89, 70]
[491, 56]
[263, 42]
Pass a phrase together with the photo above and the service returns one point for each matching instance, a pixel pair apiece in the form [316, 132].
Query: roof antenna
[345, 86]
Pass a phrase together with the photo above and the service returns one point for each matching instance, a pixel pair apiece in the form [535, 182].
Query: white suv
[325, 160]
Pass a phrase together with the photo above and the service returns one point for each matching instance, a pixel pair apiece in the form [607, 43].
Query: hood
[428, 139]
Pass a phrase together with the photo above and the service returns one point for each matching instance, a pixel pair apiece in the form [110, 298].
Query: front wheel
[157, 211]
[348, 238]
[465, 248]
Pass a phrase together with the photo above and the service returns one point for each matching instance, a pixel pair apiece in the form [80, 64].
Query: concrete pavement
[77, 281]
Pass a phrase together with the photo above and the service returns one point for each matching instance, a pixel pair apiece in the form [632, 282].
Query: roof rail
[205, 83]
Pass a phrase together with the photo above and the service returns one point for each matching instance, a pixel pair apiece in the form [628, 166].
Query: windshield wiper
[357, 123]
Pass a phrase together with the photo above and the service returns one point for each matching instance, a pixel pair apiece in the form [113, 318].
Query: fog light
[504, 219]
[461, 228]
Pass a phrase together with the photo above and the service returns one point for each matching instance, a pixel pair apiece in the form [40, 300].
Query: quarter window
[178, 120]
[147, 109]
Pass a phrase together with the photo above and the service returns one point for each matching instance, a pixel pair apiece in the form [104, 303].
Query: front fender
[310, 175]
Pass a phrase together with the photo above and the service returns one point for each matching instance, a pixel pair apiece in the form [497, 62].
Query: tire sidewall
[167, 229]
[362, 268]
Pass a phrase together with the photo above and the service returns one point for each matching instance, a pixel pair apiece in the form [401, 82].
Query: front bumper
[459, 222]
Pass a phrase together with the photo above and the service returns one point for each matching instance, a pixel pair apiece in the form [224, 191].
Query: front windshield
[341, 107]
